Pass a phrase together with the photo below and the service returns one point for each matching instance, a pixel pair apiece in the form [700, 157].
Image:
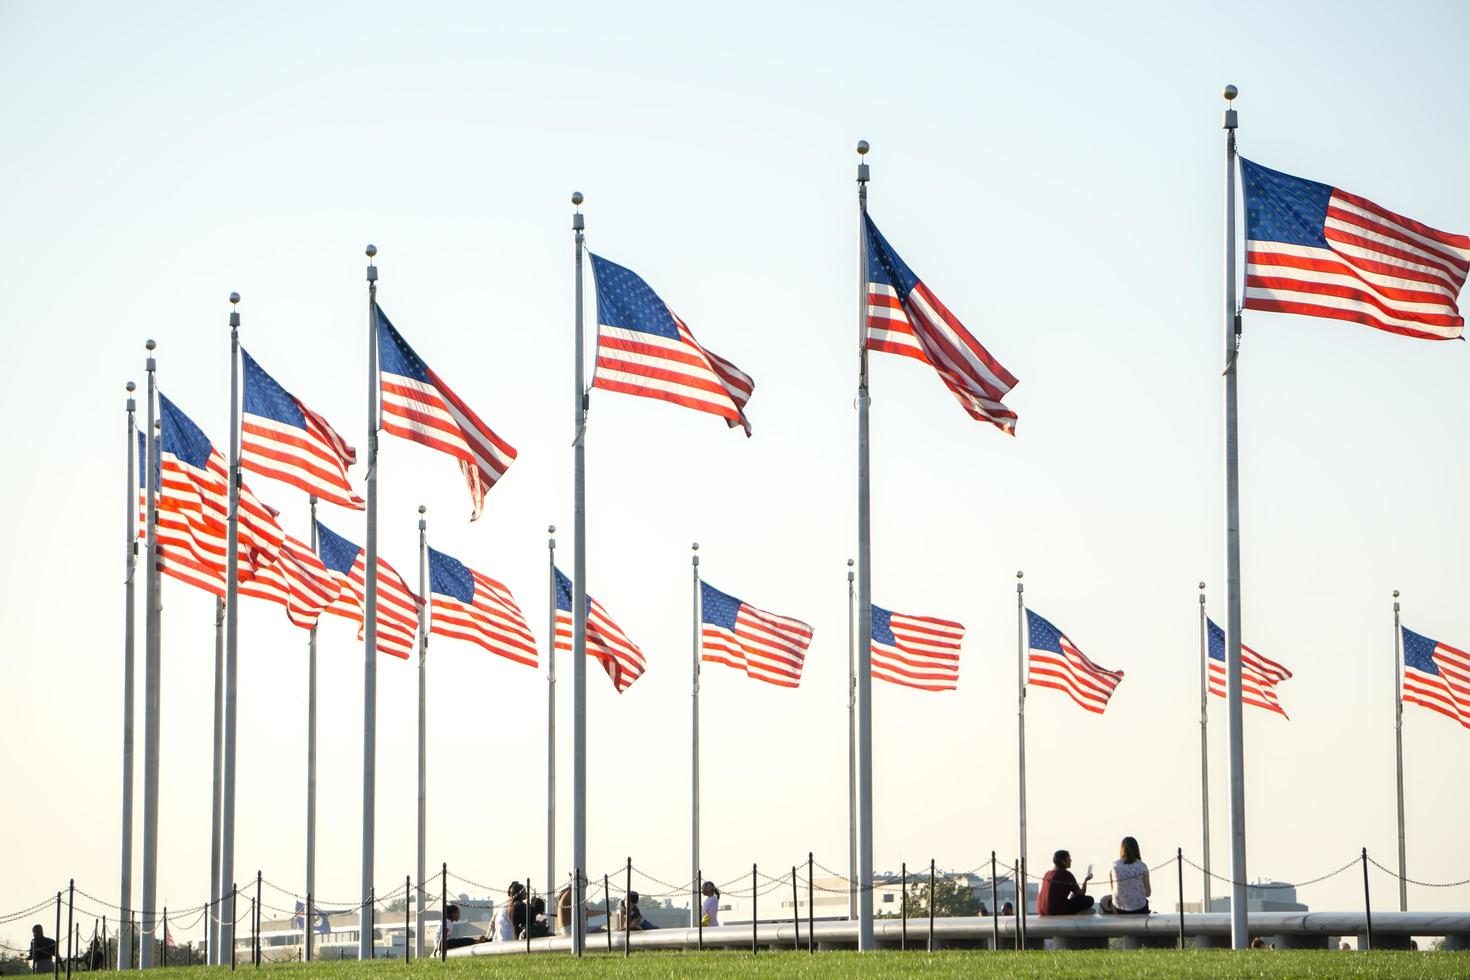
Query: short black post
[530, 913]
[1179, 862]
[699, 913]
[1021, 903]
[931, 905]
[56, 953]
[106, 956]
[811, 936]
[628, 910]
[164, 957]
[309, 927]
[253, 920]
[903, 906]
[373, 921]
[754, 904]
[259, 915]
[607, 909]
[1367, 905]
[71, 894]
[795, 911]
[234, 921]
[407, 913]
[443, 911]
[994, 908]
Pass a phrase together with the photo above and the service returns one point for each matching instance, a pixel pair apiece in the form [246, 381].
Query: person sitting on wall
[454, 933]
[1129, 881]
[1060, 894]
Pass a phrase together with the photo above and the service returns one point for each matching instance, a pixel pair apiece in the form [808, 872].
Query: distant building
[1263, 896]
[336, 935]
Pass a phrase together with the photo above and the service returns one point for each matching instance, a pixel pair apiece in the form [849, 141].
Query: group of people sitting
[1128, 885]
[521, 916]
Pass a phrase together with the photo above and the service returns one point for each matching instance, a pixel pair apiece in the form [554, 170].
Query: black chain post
[931, 905]
[994, 908]
[1179, 860]
[811, 940]
[795, 912]
[699, 913]
[754, 905]
[1367, 904]
[903, 907]
[443, 911]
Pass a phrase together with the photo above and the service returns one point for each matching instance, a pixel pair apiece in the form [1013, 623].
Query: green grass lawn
[1080, 963]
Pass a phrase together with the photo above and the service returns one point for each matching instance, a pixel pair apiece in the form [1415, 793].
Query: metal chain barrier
[1421, 884]
[1276, 884]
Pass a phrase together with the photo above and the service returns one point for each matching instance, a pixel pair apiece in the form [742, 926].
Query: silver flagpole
[1204, 744]
[550, 878]
[1398, 744]
[418, 943]
[579, 614]
[851, 747]
[1021, 719]
[216, 814]
[306, 922]
[865, 587]
[370, 628]
[125, 897]
[232, 626]
[697, 646]
[152, 648]
[1239, 929]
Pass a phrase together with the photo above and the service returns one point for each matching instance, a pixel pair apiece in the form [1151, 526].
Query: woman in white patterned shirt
[1129, 882]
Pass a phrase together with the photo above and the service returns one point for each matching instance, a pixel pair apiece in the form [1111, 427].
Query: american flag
[283, 439]
[1437, 676]
[299, 582]
[620, 658]
[418, 406]
[1258, 675]
[904, 317]
[1319, 251]
[398, 608]
[193, 509]
[766, 646]
[1056, 662]
[644, 349]
[469, 606]
[916, 651]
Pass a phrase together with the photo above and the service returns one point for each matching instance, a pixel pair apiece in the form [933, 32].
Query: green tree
[950, 899]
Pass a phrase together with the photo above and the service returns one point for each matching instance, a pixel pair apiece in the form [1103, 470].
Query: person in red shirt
[1059, 893]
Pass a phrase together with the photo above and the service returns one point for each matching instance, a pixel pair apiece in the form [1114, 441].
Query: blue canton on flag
[1258, 675]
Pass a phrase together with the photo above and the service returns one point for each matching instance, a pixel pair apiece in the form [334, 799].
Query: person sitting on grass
[1060, 894]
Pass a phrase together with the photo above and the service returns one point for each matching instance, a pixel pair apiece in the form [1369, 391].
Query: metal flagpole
[1398, 744]
[306, 920]
[1021, 716]
[579, 610]
[550, 878]
[370, 627]
[232, 621]
[125, 897]
[152, 661]
[865, 587]
[216, 814]
[697, 647]
[1204, 744]
[851, 748]
[418, 943]
[1239, 931]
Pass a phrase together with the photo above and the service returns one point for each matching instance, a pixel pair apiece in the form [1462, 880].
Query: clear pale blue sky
[1052, 171]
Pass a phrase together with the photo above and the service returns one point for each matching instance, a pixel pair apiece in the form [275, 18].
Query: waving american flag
[1437, 676]
[765, 646]
[470, 606]
[1258, 675]
[420, 407]
[299, 582]
[398, 607]
[1057, 663]
[916, 651]
[1316, 250]
[644, 349]
[605, 640]
[905, 317]
[283, 439]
